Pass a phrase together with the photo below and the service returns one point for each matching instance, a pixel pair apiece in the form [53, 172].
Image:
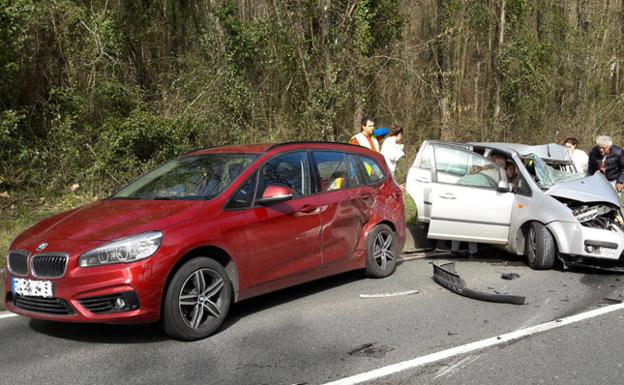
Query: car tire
[540, 247]
[381, 252]
[197, 300]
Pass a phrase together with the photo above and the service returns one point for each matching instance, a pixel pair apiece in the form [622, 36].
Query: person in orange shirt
[365, 138]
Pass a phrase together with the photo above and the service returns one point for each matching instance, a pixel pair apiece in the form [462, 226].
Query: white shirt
[580, 159]
[392, 152]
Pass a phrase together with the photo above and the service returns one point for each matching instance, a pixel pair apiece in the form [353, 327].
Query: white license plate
[32, 288]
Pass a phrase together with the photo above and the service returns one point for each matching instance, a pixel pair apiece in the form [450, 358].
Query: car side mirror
[504, 186]
[275, 193]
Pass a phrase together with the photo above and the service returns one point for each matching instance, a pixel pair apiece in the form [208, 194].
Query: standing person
[609, 160]
[365, 138]
[579, 157]
[392, 148]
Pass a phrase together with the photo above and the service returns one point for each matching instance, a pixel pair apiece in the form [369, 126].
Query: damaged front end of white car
[596, 237]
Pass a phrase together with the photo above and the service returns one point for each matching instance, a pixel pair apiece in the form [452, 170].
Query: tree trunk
[442, 61]
[498, 76]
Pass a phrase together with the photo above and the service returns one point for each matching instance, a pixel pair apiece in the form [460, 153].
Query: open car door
[466, 199]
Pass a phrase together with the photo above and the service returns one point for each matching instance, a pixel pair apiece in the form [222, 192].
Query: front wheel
[197, 300]
[540, 247]
[381, 250]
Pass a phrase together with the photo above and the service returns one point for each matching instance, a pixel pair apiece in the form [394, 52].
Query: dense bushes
[96, 92]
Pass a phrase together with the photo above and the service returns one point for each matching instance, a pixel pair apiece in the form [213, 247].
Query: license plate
[32, 288]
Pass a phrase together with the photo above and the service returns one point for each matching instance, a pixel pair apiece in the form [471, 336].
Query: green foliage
[97, 92]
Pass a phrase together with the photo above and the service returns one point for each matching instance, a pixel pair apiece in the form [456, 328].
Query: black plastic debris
[614, 300]
[510, 276]
[446, 276]
[370, 350]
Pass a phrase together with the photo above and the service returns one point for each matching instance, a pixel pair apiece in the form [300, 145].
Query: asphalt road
[324, 331]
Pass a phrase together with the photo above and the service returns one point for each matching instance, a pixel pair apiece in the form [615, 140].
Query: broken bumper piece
[446, 276]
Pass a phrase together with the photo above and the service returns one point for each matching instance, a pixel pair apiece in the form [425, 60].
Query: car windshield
[547, 176]
[190, 177]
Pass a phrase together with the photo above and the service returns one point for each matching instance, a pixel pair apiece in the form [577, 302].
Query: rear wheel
[381, 248]
[197, 300]
[540, 247]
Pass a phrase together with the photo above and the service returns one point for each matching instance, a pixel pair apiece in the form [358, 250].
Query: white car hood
[594, 188]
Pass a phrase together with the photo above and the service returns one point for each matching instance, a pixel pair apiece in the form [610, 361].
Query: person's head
[498, 159]
[510, 170]
[604, 143]
[570, 143]
[396, 131]
[368, 125]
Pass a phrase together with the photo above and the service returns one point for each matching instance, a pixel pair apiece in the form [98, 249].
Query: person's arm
[591, 163]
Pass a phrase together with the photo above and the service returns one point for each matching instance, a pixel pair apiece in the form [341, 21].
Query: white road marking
[450, 369]
[6, 314]
[473, 346]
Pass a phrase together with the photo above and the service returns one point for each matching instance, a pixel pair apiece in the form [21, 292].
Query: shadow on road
[266, 301]
[111, 334]
[130, 334]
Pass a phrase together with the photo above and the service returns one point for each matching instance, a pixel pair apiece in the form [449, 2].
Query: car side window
[461, 167]
[425, 160]
[333, 170]
[372, 171]
[290, 170]
[244, 197]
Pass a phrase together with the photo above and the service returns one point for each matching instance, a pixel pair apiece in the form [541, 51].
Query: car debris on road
[385, 295]
[446, 276]
[510, 276]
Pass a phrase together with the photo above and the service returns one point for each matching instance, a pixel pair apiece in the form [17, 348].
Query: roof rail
[308, 142]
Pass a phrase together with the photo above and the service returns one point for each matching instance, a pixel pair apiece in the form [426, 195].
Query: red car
[212, 227]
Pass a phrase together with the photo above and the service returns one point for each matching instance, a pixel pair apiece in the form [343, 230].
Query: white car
[546, 211]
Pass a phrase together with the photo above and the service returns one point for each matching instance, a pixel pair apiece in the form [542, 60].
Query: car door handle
[448, 196]
[421, 179]
[306, 209]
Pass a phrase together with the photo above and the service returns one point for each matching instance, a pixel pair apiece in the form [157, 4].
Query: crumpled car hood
[594, 188]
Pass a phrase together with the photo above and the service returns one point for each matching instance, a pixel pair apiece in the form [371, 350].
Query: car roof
[260, 148]
[550, 152]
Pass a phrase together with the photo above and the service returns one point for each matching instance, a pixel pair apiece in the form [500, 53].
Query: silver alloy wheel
[201, 298]
[382, 249]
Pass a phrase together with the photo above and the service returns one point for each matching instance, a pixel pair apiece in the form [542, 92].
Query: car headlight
[125, 250]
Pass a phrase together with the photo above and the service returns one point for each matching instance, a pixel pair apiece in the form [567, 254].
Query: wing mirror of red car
[274, 194]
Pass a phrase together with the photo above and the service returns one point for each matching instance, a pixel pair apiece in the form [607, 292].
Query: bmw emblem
[42, 246]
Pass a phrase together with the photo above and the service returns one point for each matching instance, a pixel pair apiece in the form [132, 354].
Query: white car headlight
[125, 250]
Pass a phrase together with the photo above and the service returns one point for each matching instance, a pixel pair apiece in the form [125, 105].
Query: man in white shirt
[579, 157]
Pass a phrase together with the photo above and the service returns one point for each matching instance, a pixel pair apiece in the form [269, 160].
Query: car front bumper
[92, 295]
[587, 246]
